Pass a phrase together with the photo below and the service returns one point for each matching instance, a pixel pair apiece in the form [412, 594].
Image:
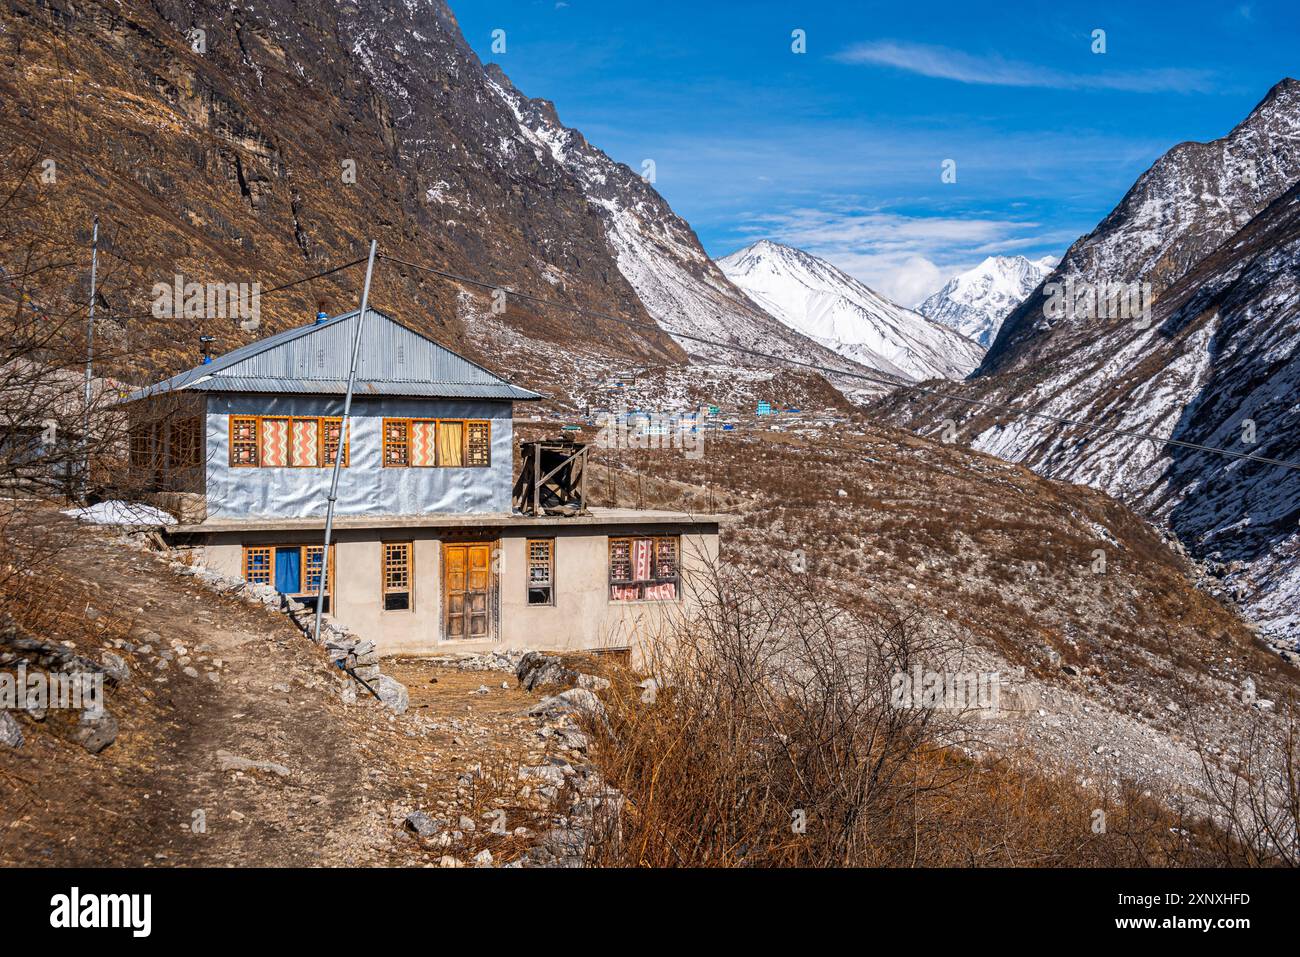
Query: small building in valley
[428, 552]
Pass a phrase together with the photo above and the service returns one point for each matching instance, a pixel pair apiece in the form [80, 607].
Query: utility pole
[343, 438]
[90, 357]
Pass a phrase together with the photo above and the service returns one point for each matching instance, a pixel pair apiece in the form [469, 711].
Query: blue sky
[840, 150]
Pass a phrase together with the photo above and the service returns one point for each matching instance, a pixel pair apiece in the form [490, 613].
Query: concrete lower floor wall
[582, 614]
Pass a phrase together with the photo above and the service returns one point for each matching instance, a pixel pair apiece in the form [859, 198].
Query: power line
[879, 380]
[267, 292]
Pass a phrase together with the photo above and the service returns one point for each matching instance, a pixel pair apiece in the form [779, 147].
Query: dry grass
[774, 743]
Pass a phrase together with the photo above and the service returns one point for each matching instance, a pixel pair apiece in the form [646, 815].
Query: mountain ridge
[823, 302]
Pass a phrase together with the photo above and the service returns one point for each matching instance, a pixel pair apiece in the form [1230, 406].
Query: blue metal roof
[393, 360]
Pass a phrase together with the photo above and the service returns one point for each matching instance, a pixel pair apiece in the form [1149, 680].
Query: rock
[483, 858]
[466, 823]
[393, 694]
[1248, 691]
[567, 845]
[349, 694]
[115, 667]
[232, 762]
[448, 861]
[551, 775]
[593, 682]
[573, 701]
[421, 824]
[191, 671]
[11, 733]
[1264, 704]
[95, 733]
[537, 670]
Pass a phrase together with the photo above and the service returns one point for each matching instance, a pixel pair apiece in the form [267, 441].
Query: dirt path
[258, 690]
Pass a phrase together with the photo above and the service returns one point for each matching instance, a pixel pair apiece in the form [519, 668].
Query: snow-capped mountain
[976, 301]
[826, 304]
[1215, 363]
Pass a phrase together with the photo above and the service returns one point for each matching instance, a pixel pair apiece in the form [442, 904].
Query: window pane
[478, 443]
[243, 441]
[395, 450]
[451, 438]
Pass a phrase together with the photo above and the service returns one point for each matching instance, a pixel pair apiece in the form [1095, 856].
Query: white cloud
[946, 63]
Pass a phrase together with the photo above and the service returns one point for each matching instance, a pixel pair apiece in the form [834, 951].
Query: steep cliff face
[1183, 208]
[1216, 363]
[283, 136]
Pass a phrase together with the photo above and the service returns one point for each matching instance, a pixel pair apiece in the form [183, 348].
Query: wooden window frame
[655, 579]
[405, 444]
[257, 420]
[345, 437]
[550, 581]
[269, 551]
[384, 587]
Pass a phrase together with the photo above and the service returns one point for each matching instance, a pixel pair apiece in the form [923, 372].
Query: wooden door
[468, 582]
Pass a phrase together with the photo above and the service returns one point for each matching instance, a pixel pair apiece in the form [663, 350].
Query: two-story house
[427, 553]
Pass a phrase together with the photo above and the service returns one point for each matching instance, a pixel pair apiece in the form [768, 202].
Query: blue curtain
[288, 570]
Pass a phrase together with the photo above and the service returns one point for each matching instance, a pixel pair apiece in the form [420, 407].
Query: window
[285, 441]
[644, 569]
[478, 444]
[397, 576]
[437, 443]
[293, 570]
[257, 566]
[243, 440]
[396, 445]
[330, 441]
[185, 449]
[541, 571]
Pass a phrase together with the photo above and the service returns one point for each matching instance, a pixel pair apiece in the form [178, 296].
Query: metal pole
[90, 356]
[343, 438]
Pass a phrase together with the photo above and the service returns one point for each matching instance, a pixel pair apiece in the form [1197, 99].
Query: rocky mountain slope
[976, 301]
[822, 302]
[1216, 363]
[274, 140]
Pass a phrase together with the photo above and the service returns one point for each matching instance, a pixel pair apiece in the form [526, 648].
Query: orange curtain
[451, 444]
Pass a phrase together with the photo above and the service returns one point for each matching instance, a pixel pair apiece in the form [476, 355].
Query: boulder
[537, 670]
[95, 733]
[11, 733]
[573, 701]
[392, 693]
[421, 824]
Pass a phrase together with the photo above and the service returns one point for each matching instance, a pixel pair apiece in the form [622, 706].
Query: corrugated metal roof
[393, 360]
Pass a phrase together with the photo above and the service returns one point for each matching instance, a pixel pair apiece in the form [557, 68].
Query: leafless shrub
[774, 739]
